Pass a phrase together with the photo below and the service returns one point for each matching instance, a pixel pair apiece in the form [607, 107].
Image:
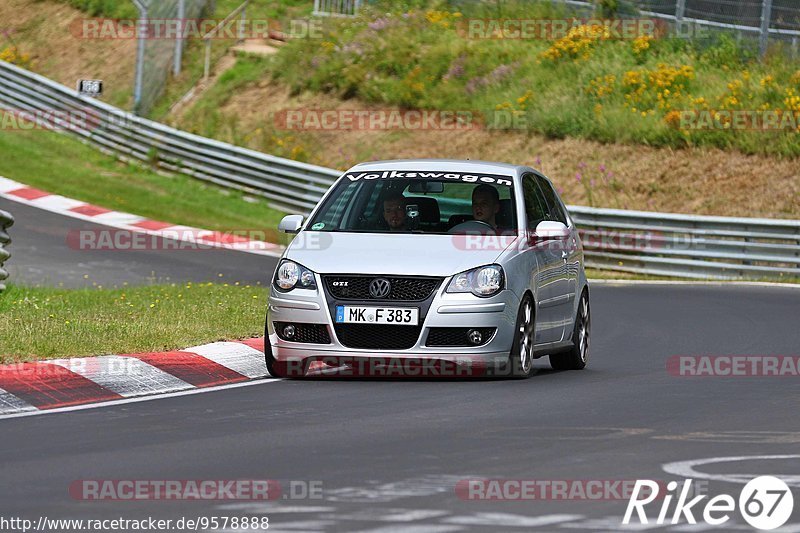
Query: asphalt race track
[41, 255]
[388, 454]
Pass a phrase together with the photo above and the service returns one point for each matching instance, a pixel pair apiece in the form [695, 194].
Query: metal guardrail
[285, 183]
[6, 221]
[631, 241]
[689, 246]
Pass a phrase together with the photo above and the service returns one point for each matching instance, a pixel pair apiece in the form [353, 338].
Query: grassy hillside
[43, 33]
[243, 107]
[587, 84]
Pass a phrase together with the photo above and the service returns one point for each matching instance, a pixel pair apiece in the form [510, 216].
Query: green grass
[59, 164]
[121, 9]
[45, 323]
[398, 54]
[205, 118]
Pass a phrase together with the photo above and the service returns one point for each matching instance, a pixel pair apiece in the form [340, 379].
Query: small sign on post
[93, 88]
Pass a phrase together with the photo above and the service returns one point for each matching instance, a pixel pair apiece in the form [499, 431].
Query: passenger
[394, 212]
[486, 204]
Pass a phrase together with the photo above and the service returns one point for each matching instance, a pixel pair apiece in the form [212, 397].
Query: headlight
[482, 281]
[290, 276]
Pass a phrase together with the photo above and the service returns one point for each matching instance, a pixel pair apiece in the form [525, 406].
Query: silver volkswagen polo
[457, 262]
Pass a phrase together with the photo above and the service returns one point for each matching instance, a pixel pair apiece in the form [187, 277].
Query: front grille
[377, 336]
[404, 289]
[305, 333]
[456, 336]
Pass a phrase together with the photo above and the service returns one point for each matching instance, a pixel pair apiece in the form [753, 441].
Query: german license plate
[399, 316]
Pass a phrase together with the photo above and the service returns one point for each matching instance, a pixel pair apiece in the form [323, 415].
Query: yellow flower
[673, 119]
[640, 44]
[440, 18]
[578, 43]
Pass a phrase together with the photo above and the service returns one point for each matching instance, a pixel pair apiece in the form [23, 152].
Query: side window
[555, 211]
[335, 211]
[535, 205]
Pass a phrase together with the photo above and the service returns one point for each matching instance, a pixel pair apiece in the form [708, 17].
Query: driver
[486, 204]
[394, 212]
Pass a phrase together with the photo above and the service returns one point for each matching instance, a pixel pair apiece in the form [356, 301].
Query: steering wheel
[470, 226]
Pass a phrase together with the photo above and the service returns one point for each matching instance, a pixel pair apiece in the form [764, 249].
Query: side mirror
[291, 224]
[548, 230]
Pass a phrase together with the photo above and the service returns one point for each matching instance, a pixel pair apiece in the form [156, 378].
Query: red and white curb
[60, 383]
[19, 192]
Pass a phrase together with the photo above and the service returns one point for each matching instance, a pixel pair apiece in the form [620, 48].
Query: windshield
[418, 202]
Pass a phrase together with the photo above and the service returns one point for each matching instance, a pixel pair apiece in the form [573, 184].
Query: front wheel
[521, 356]
[293, 369]
[577, 357]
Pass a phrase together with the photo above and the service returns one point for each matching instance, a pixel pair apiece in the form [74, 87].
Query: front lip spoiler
[497, 307]
[292, 304]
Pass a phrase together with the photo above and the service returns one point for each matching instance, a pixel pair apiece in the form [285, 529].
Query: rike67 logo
[765, 503]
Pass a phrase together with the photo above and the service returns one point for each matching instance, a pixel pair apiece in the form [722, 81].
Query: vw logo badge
[380, 288]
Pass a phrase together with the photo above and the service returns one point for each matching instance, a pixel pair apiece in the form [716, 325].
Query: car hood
[386, 253]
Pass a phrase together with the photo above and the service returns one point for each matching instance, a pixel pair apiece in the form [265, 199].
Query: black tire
[520, 364]
[577, 357]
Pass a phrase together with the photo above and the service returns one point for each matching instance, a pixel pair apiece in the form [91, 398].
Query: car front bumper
[446, 311]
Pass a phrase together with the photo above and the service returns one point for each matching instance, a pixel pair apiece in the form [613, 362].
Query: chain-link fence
[766, 20]
[334, 8]
[160, 46]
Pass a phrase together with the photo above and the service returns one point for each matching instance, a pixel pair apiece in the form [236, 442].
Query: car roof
[452, 165]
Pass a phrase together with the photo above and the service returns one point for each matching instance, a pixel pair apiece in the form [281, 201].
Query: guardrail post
[242, 22]
[766, 16]
[207, 63]
[141, 25]
[176, 68]
[680, 9]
